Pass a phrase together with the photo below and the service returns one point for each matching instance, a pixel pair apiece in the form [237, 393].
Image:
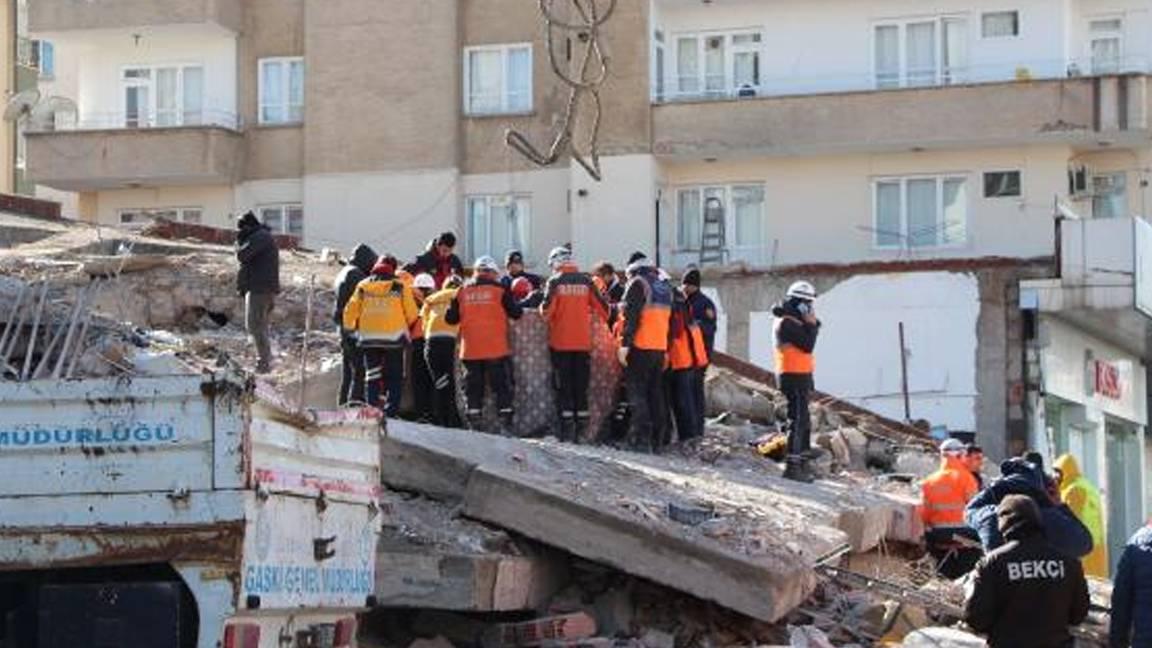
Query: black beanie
[1017, 513]
[691, 278]
[636, 256]
[248, 220]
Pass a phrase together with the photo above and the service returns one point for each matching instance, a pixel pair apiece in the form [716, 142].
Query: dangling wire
[591, 73]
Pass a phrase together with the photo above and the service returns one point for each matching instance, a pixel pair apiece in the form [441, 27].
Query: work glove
[622, 356]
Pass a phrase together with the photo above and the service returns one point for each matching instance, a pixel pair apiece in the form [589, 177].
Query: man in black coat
[258, 281]
[1026, 593]
[439, 260]
[356, 270]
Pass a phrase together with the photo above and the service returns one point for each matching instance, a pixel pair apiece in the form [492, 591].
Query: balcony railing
[725, 88]
[97, 121]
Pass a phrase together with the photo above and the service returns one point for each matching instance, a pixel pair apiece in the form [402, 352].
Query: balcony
[1105, 282]
[1078, 111]
[103, 154]
[66, 15]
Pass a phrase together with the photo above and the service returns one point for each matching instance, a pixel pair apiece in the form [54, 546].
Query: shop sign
[1107, 380]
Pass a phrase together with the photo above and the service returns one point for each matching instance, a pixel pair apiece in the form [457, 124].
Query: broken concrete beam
[562, 628]
[461, 583]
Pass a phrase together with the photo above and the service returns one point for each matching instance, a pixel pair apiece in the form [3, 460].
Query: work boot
[796, 468]
[567, 430]
[579, 429]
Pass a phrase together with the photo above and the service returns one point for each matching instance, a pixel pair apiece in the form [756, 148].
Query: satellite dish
[52, 111]
[21, 105]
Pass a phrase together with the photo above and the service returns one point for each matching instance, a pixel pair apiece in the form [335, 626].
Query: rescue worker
[571, 301]
[643, 345]
[1132, 594]
[796, 332]
[974, 461]
[355, 271]
[514, 269]
[258, 282]
[687, 357]
[440, 352]
[382, 310]
[482, 309]
[423, 285]
[439, 260]
[944, 493]
[704, 314]
[1026, 593]
[1084, 500]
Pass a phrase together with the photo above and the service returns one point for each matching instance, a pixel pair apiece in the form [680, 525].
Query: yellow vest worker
[1084, 500]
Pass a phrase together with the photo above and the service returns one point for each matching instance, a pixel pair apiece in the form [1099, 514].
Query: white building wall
[933, 306]
[616, 216]
[215, 201]
[549, 223]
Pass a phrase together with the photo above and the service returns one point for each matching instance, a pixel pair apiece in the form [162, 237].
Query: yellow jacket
[435, 306]
[381, 311]
[1084, 500]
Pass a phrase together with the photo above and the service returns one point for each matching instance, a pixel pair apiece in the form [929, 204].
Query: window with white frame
[281, 90]
[920, 212]
[498, 79]
[44, 58]
[920, 52]
[659, 63]
[1002, 184]
[286, 218]
[1106, 41]
[497, 224]
[1110, 195]
[143, 217]
[718, 64]
[167, 95]
[1000, 24]
[743, 213]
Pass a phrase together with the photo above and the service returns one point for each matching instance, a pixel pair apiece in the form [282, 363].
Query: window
[497, 224]
[1109, 195]
[658, 65]
[163, 96]
[1000, 24]
[44, 58]
[142, 217]
[1106, 41]
[920, 212]
[1001, 184]
[743, 213]
[498, 79]
[718, 65]
[281, 90]
[284, 219]
[920, 53]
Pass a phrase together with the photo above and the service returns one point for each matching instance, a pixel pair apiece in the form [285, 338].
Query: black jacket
[1132, 594]
[704, 312]
[1026, 594]
[259, 261]
[536, 280]
[431, 263]
[363, 258]
[792, 329]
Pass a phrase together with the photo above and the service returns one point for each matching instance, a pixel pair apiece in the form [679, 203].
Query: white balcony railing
[139, 121]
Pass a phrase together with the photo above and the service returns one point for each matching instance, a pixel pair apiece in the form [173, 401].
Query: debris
[658, 639]
[541, 631]
[436, 642]
[942, 638]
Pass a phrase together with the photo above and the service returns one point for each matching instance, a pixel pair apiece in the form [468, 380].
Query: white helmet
[486, 264]
[425, 281]
[558, 257]
[801, 290]
[953, 447]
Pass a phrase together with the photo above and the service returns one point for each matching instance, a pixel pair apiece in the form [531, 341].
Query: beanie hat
[386, 265]
[248, 220]
[1016, 514]
[513, 256]
[691, 278]
[636, 256]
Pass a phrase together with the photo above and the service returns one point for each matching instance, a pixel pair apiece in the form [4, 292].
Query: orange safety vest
[945, 493]
[789, 359]
[687, 349]
[652, 331]
[483, 322]
[570, 303]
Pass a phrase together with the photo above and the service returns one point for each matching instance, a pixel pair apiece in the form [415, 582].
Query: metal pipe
[35, 331]
[904, 376]
[23, 316]
[83, 331]
[81, 301]
[307, 333]
[8, 328]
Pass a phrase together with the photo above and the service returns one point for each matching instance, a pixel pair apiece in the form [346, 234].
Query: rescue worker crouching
[571, 301]
[381, 311]
[944, 494]
[482, 308]
[643, 344]
[796, 331]
[440, 352]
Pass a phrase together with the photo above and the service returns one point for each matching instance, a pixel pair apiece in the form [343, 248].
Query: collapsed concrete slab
[750, 548]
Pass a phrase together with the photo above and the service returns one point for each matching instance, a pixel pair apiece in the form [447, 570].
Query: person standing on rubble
[1026, 593]
[258, 282]
[944, 493]
[382, 311]
[796, 332]
[1084, 500]
[704, 314]
[355, 271]
[482, 309]
[571, 301]
[687, 357]
[439, 259]
[440, 352]
[1132, 594]
[423, 285]
[643, 345]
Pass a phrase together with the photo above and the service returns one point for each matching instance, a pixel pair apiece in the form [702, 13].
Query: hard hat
[454, 281]
[486, 264]
[521, 288]
[801, 290]
[559, 256]
[953, 447]
[424, 280]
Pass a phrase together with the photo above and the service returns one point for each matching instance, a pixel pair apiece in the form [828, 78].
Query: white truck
[182, 511]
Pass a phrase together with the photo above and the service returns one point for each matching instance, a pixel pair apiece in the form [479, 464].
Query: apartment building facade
[909, 156]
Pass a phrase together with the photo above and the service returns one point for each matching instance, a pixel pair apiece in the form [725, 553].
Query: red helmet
[521, 287]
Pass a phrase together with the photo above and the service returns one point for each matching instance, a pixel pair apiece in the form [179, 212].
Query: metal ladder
[712, 233]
